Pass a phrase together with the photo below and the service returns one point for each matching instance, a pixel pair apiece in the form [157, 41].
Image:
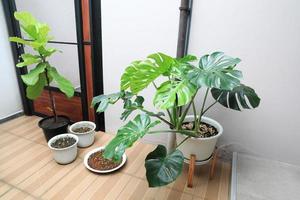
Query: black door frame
[17, 49]
[96, 43]
[97, 59]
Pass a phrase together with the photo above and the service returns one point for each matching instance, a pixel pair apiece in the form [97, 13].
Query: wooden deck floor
[28, 171]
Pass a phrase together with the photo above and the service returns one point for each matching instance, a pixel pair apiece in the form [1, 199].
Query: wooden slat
[78, 178]
[4, 188]
[40, 182]
[16, 122]
[28, 171]
[15, 194]
[224, 180]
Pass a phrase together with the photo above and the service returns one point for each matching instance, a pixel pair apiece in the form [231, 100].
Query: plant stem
[174, 114]
[180, 110]
[195, 116]
[162, 119]
[157, 116]
[184, 132]
[183, 115]
[202, 108]
[154, 85]
[209, 107]
[52, 100]
[170, 116]
[51, 97]
[185, 139]
[185, 112]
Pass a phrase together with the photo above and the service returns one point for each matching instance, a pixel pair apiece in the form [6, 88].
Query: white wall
[10, 101]
[265, 34]
[131, 31]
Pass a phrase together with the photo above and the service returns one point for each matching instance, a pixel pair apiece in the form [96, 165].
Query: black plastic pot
[51, 128]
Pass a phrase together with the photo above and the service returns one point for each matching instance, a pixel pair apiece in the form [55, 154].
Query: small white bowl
[86, 157]
[85, 139]
[64, 155]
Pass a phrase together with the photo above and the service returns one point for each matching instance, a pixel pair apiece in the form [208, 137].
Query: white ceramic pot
[85, 139]
[64, 155]
[202, 148]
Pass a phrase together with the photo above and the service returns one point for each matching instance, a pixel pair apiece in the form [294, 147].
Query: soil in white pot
[63, 142]
[98, 162]
[204, 130]
[81, 129]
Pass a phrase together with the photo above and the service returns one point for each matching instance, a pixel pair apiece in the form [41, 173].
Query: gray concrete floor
[261, 179]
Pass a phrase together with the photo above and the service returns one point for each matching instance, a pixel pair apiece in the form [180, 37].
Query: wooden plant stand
[192, 167]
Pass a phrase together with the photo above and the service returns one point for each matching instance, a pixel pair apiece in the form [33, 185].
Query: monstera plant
[42, 72]
[184, 78]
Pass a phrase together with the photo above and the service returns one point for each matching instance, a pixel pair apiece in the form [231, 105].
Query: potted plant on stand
[184, 78]
[43, 74]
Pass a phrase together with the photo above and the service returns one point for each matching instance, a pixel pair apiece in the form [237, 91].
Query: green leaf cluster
[37, 33]
[180, 80]
[43, 73]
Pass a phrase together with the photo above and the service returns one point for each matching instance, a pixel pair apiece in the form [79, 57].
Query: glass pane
[58, 14]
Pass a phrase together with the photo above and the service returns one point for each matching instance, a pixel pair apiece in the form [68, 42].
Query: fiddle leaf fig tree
[43, 73]
[184, 78]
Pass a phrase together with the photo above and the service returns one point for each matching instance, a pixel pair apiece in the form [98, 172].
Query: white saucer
[86, 157]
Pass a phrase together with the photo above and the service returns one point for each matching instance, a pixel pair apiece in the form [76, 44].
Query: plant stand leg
[191, 170]
[213, 164]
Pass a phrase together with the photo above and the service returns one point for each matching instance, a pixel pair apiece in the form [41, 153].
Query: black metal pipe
[17, 49]
[81, 59]
[184, 27]
[69, 43]
[97, 60]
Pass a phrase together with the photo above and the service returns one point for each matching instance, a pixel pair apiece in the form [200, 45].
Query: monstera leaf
[140, 74]
[104, 100]
[127, 135]
[168, 91]
[162, 169]
[216, 71]
[130, 106]
[33, 76]
[187, 59]
[237, 98]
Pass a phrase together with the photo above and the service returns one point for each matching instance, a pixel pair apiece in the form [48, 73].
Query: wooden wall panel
[64, 106]
[86, 20]
[88, 55]
[89, 79]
